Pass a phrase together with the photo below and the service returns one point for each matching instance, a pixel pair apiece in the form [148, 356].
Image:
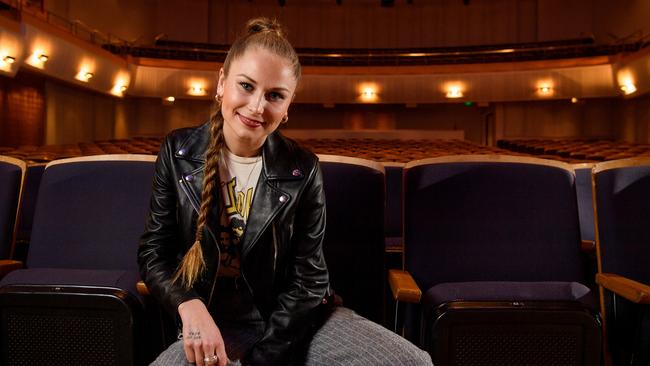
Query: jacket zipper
[214, 281]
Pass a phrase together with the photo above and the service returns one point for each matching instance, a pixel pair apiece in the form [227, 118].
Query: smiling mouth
[249, 122]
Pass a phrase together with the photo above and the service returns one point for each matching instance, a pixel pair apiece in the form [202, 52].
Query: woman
[232, 245]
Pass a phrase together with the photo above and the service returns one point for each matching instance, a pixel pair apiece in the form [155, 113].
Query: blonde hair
[260, 32]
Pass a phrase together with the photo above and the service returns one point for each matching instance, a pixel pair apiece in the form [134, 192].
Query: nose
[256, 105]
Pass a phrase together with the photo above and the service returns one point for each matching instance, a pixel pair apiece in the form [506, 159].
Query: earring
[218, 98]
[285, 119]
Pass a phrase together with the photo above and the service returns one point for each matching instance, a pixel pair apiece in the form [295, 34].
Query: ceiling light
[628, 88]
[369, 94]
[545, 89]
[454, 91]
[37, 59]
[197, 89]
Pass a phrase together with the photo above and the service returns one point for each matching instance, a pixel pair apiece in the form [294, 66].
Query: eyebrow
[255, 82]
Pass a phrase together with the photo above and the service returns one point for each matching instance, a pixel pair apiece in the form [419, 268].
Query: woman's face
[256, 95]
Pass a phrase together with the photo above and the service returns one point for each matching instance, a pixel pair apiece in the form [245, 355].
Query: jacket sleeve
[299, 309]
[160, 245]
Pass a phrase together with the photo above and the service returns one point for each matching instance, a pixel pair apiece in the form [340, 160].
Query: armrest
[588, 245]
[403, 286]
[632, 290]
[8, 265]
[142, 288]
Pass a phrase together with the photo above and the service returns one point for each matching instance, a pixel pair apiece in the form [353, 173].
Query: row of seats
[577, 150]
[491, 241]
[391, 150]
[382, 150]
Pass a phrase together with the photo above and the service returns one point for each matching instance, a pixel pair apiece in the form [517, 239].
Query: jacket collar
[280, 164]
[279, 161]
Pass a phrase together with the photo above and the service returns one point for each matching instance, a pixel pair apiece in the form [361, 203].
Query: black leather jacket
[282, 259]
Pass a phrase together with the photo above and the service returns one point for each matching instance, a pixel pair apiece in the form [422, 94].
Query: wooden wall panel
[23, 110]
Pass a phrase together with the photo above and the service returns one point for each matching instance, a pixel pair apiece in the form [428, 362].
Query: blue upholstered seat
[622, 208]
[81, 267]
[494, 244]
[354, 236]
[12, 172]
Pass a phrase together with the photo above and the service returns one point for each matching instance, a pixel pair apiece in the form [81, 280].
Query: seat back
[585, 206]
[91, 212]
[621, 198]
[29, 198]
[354, 234]
[621, 201]
[12, 174]
[491, 218]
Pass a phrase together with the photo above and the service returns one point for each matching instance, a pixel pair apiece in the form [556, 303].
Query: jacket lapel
[270, 197]
[193, 151]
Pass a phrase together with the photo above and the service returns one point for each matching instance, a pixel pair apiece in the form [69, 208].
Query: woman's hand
[201, 338]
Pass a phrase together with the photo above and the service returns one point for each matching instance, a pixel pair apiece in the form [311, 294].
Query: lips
[249, 122]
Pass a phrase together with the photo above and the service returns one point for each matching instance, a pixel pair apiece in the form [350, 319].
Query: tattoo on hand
[194, 334]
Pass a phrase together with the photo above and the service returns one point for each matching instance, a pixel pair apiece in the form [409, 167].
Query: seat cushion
[120, 279]
[509, 291]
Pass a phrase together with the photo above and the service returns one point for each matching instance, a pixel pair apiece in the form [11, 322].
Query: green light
[468, 103]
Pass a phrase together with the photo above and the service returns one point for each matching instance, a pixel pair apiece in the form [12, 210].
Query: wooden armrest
[588, 245]
[8, 265]
[142, 288]
[634, 291]
[403, 286]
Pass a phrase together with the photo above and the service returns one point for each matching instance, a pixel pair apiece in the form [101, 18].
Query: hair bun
[264, 25]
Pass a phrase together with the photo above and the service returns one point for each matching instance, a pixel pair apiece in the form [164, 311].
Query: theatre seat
[493, 259]
[621, 206]
[354, 234]
[12, 175]
[75, 302]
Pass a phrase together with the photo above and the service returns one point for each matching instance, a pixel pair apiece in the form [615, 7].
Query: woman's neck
[240, 148]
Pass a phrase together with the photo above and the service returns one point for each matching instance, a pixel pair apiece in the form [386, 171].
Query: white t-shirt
[238, 177]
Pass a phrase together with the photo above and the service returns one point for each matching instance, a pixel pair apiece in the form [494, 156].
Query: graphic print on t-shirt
[238, 178]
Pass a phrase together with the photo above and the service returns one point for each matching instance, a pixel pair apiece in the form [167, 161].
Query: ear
[221, 82]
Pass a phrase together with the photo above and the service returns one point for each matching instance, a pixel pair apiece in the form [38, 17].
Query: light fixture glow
[626, 78]
[5, 62]
[170, 99]
[574, 100]
[84, 75]
[454, 91]
[197, 88]
[368, 92]
[545, 88]
[628, 88]
[37, 59]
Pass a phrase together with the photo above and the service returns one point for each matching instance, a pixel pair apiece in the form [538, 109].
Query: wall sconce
[37, 59]
[197, 90]
[454, 92]
[545, 90]
[84, 75]
[628, 88]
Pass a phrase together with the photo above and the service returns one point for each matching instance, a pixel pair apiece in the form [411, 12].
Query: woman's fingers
[210, 356]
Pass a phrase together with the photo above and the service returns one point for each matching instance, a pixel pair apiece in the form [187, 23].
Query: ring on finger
[209, 360]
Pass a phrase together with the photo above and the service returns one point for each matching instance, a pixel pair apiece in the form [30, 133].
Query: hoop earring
[285, 119]
[218, 98]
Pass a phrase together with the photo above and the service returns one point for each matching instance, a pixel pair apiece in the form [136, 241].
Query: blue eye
[275, 96]
[246, 86]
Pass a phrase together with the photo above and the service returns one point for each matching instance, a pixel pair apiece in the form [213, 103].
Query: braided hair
[260, 32]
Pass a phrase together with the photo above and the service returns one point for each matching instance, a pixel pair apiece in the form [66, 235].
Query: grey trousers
[345, 339]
